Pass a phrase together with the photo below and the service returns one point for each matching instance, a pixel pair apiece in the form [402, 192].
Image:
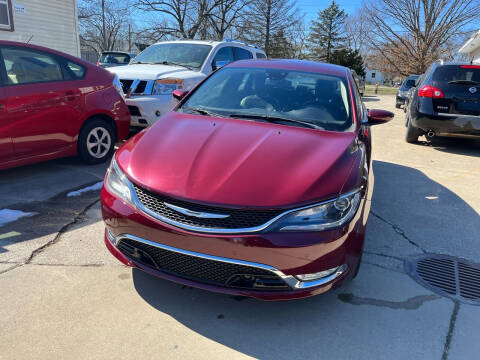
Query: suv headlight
[328, 215]
[166, 86]
[117, 183]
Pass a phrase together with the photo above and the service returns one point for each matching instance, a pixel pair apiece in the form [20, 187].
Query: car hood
[151, 72]
[239, 162]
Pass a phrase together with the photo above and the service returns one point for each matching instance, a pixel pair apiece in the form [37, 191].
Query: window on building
[6, 22]
[373, 75]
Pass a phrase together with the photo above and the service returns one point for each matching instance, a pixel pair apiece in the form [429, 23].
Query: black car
[360, 82]
[445, 102]
[402, 92]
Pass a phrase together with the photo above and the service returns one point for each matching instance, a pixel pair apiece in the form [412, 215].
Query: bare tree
[265, 18]
[410, 34]
[185, 17]
[357, 29]
[102, 35]
[226, 16]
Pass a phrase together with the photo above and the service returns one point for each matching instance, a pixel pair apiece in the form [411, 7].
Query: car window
[319, 99]
[242, 54]
[25, 66]
[449, 73]
[77, 70]
[260, 55]
[115, 58]
[223, 57]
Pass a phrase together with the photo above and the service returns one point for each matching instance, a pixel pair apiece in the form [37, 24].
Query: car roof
[214, 43]
[291, 64]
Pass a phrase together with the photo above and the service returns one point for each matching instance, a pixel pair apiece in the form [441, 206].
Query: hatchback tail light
[430, 91]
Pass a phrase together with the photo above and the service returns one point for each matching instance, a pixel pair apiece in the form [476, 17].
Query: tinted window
[190, 55]
[26, 66]
[77, 70]
[242, 54]
[115, 58]
[224, 56]
[261, 56]
[448, 73]
[319, 99]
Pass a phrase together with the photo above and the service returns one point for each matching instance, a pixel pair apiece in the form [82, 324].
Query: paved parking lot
[64, 296]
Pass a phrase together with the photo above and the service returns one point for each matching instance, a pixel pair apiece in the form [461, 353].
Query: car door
[41, 105]
[6, 146]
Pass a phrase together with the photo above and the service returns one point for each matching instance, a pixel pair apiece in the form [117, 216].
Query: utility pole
[129, 37]
[103, 26]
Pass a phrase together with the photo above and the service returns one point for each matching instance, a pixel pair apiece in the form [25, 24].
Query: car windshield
[300, 98]
[115, 58]
[188, 55]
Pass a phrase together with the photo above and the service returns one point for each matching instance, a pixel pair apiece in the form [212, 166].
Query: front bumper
[448, 124]
[146, 110]
[285, 254]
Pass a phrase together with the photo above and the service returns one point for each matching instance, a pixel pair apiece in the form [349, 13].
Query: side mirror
[376, 116]
[179, 94]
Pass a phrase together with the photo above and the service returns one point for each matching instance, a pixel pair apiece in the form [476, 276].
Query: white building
[49, 23]
[374, 76]
[472, 48]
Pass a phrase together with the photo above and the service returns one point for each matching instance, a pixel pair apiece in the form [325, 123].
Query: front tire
[96, 141]
[398, 106]
[412, 133]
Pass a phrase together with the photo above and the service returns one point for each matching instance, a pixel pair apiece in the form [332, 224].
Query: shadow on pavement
[459, 146]
[324, 324]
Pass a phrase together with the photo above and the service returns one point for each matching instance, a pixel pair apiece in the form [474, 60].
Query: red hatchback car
[257, 183]
[54, 105]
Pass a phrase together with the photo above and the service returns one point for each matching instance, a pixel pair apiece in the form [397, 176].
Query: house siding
[49, 23]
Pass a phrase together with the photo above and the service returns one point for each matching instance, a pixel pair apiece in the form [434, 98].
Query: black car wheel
[412, 133]
[96, 141]
[398, 106]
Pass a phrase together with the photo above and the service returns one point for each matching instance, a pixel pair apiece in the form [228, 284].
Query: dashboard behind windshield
[315, 98]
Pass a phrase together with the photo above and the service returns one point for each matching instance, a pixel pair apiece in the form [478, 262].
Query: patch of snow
[93, 187]
[8, 215]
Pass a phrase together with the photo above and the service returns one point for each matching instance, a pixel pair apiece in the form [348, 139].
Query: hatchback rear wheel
[96, 142]
[412, 133]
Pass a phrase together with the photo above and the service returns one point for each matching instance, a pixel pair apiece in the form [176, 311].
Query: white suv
[149, 80]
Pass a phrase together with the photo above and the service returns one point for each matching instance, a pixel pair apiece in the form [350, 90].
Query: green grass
[382, 90]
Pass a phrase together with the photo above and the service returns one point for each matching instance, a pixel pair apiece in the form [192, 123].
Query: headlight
[331, 214]
[117, 183]
[118, 86]
[166, 86]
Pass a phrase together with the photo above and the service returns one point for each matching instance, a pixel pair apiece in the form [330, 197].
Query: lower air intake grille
[448, 276]
[237, 219]
[202, 270]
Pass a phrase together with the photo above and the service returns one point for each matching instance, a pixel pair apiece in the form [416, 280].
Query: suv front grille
[237, 219]
[190, 267]
[126, 85]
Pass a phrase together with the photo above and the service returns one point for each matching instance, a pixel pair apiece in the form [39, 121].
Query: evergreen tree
[327, 32]
[281, 48]
[349, 58]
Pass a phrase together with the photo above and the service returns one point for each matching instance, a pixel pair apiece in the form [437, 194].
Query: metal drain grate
[446, 275]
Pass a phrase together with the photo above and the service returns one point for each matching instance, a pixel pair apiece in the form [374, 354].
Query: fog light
[158, 113]
[321, 274]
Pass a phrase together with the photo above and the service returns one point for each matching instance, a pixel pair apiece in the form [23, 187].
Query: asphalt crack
[412, 303]
[451, 328]
[78, 217]
[399, 231]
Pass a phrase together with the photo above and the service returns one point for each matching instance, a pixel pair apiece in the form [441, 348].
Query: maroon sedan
[54, 105]
[257, 183]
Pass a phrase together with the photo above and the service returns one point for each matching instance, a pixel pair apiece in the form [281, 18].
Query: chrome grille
[237, 219]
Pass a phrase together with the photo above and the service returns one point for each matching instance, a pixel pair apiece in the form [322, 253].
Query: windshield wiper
[200, 111]
[175, 64]
[464, 82]
[275, 119]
